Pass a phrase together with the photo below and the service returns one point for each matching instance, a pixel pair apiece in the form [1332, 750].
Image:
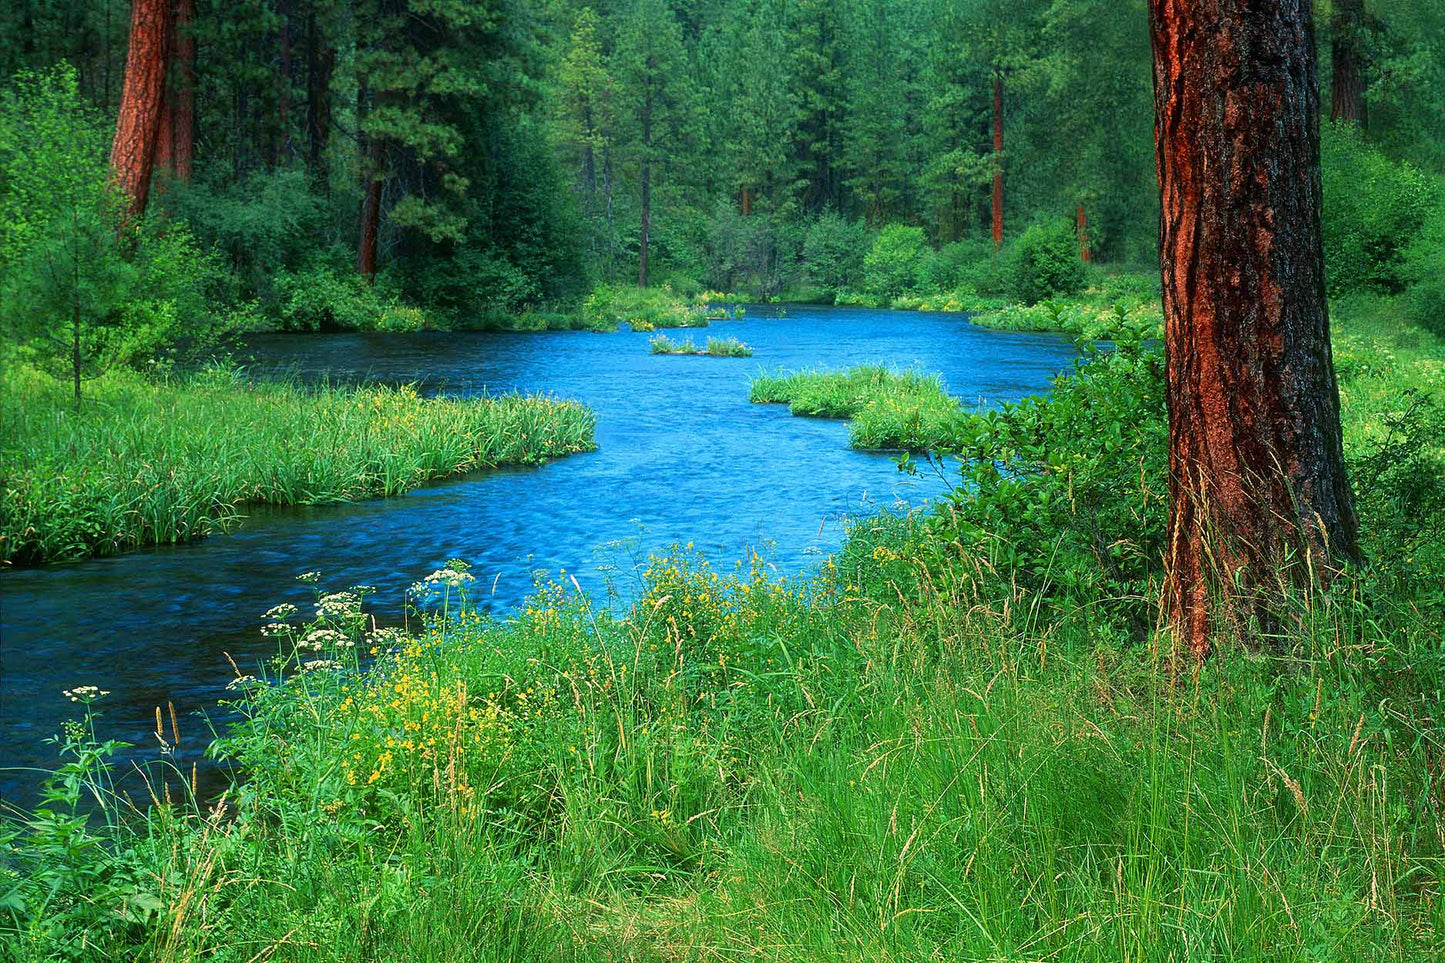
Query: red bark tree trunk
[1347, 91]
[133, 151]
[370, 211]
[1258, 491]
[998, 159]
[747, 202]
[176, 139]
[1082, 225]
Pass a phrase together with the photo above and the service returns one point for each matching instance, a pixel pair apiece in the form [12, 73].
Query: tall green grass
[886, 409]
[145, 463]
[945, 744]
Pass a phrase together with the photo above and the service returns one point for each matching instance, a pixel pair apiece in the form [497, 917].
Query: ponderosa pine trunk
[137, 125]
[1082, 226]
[1258, 491]
[998, 159]
[176, 140]
[370, 210]
[1347, 90]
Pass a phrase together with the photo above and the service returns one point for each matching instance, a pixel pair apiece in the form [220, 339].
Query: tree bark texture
[176, 140]
[1081, 223]
[998, 159]
[137, 126]
[1258, 491]
[646, 201]
[1347, 91]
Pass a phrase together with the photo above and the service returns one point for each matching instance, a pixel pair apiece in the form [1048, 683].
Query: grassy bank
[715, 347]
[886, 409]
[145, 463]
[962, 739]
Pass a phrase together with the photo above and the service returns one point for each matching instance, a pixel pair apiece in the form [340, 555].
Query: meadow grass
[145, 463]
[953, 741]
[644, 309]
[715, 347]
[886, 409]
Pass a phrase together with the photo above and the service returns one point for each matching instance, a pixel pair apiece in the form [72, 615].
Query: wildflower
[240, 682]
[85, 693]
[319, 665]
[312, 577]
[278, 612]
[339, 605]
[275, 628]
[318, 639]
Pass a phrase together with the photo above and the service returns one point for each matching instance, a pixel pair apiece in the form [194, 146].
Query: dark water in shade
[681, 457]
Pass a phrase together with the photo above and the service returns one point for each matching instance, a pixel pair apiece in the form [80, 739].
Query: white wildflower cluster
[339, 605]
[442, 577]
[241, 682]
[311, 577]
[318, 639]
[384, 638]
[278, 612]
[321, 665]
[85, 693]
[273, 629]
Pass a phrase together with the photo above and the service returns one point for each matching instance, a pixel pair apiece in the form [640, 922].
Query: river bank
[959, 737]
[146, 462]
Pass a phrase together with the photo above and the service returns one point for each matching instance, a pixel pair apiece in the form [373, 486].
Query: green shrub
[895, 260]
[1423, 269]
[321, 298]
[85, 286]
[1373, 208]
[833, 253]
[973, 266]
[1044, 262]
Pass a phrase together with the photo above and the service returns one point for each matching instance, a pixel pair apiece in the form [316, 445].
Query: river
[682, 457]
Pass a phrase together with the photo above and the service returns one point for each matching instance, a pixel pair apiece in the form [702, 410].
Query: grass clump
[150, 463]
[715, 348]
[887, 409]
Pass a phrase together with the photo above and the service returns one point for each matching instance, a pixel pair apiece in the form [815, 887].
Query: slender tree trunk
[320, 62]
[1082, 223]
[646, 223]
[75, 307]
[1347, 92]
[747, 202]
[283, 85]
[998, 159]
[1256, 466]
[132, 153]
[646, 191]
[371, 174]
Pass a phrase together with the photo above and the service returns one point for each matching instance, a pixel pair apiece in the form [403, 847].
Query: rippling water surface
[682, 457]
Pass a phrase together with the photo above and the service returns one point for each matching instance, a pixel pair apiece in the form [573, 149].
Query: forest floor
[963, 738]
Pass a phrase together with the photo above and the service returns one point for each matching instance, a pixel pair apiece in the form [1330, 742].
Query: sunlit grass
[887, 409]
[144, 463]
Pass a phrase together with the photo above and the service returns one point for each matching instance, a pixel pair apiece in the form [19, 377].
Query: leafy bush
[1044, 262]
[833, 253]
[1423, 269]
[84, 285]
[1373, 207]
[895, 260]
[972, 266]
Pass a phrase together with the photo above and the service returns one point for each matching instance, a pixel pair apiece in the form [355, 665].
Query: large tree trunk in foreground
[176, 140]
[1347, 91]
[1257, 473]
[998, 159]
[132, 153]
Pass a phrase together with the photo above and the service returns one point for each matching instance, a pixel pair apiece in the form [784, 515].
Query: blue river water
[682, 457]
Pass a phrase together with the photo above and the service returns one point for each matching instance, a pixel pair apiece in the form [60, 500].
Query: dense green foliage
[950, 743]
[151, 463]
